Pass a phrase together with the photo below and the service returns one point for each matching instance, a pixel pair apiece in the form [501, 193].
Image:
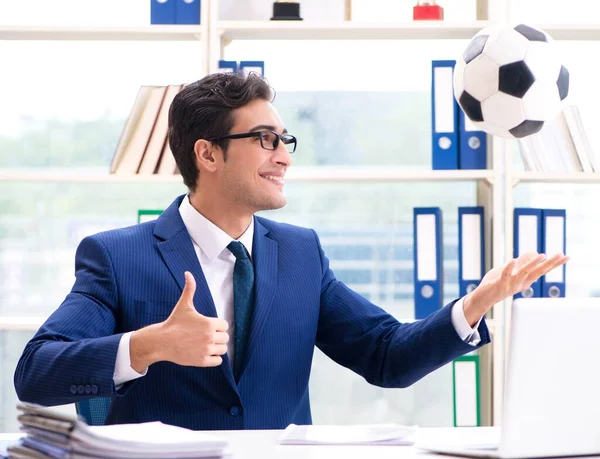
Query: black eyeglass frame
[286, 139]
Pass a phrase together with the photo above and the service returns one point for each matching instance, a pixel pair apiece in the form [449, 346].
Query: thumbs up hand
[186, 337]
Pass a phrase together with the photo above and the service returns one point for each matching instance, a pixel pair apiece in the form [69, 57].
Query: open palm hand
[514, 277]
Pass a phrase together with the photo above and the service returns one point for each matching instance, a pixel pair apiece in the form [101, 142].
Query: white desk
[263, 444]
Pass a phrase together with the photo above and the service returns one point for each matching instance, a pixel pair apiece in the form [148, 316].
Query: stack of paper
[369, 434]
[54, 435]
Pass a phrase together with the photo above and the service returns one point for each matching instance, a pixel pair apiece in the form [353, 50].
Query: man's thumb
[186, 301]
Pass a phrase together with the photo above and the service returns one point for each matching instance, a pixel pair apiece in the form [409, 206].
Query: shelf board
[142, 33]
[286, 30]
[576, 32]
[557, 177]
[299, 174]
[301, 30]
[382, 174]
[77, 176]
[21, 323]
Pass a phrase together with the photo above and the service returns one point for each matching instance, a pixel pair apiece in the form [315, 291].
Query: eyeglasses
[269, 140]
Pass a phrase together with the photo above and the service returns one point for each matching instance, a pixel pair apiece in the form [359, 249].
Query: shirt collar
[211, 239]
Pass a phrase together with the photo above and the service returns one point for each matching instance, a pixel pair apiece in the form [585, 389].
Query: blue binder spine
[554, 240]
[471, 248]
[427, 257]
[162, 11]
[527, 237]
[444, 116]
[252, 66]
[188, 12]
[472, 144]
[228, 66]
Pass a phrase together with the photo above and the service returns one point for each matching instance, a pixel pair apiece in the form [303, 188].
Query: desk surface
[264, 444]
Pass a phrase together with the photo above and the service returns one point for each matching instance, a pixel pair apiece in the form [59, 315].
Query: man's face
[252, 176]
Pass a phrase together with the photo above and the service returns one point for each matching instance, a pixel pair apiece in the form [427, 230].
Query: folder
[162, 11]
[554, 226]
[147, 215]
[227, 66]
[466, 391]
[444, 116]
[252, 66]
[427, 256]
[527, 237]
[472, 144]
[471, 249]
[187, 12]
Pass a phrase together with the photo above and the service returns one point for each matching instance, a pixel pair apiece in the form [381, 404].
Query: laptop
[551, 390]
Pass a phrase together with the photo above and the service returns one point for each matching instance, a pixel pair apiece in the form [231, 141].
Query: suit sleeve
[364, 338]
[72, 356]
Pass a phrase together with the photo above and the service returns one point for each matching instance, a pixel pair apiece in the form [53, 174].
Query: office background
[355, 106]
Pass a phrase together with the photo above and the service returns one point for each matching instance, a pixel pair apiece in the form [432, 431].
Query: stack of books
[143, 147]
[49, 434]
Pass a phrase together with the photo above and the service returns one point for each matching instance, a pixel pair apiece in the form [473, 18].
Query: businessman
[207, 317]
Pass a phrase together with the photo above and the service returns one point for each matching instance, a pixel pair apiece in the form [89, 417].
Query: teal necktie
[243, 302]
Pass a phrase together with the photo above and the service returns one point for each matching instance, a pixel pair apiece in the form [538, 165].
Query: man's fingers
[221, 338]
[544, 268]
[509, 268]
[218, 349]
[212, 361]
[526, 258]
[532, 265]
[220, 325]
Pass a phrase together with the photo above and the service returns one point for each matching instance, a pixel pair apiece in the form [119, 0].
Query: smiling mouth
[273, 178]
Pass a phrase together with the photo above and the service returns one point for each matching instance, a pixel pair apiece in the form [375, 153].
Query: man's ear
[205, 155]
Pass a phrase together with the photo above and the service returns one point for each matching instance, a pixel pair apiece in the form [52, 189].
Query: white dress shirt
[217, 263]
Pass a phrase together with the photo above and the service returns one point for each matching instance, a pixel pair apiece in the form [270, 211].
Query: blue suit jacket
[132, 277]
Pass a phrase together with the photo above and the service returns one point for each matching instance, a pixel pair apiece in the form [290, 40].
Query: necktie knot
[238, 250]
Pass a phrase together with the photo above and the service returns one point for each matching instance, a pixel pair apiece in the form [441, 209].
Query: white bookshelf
[572, 32]
[23, 175]
[383, 174]
[424, 30]
[144, 33]
[556, 177]
[294, 174]
[16, 323]
[279, 30]
[300, 30]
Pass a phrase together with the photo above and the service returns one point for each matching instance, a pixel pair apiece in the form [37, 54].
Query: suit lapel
[179, 255]
[264, 256]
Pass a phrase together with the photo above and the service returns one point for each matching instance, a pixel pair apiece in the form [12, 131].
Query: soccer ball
[510, 80]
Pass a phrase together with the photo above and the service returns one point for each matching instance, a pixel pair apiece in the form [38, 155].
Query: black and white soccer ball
[510, 80]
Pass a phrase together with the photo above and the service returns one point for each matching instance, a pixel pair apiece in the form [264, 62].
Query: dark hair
[204, 109]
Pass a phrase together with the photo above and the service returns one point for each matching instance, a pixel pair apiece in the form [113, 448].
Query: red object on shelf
[427, 10]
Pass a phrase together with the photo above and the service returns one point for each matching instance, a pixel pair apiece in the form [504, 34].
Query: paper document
[362, 434]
